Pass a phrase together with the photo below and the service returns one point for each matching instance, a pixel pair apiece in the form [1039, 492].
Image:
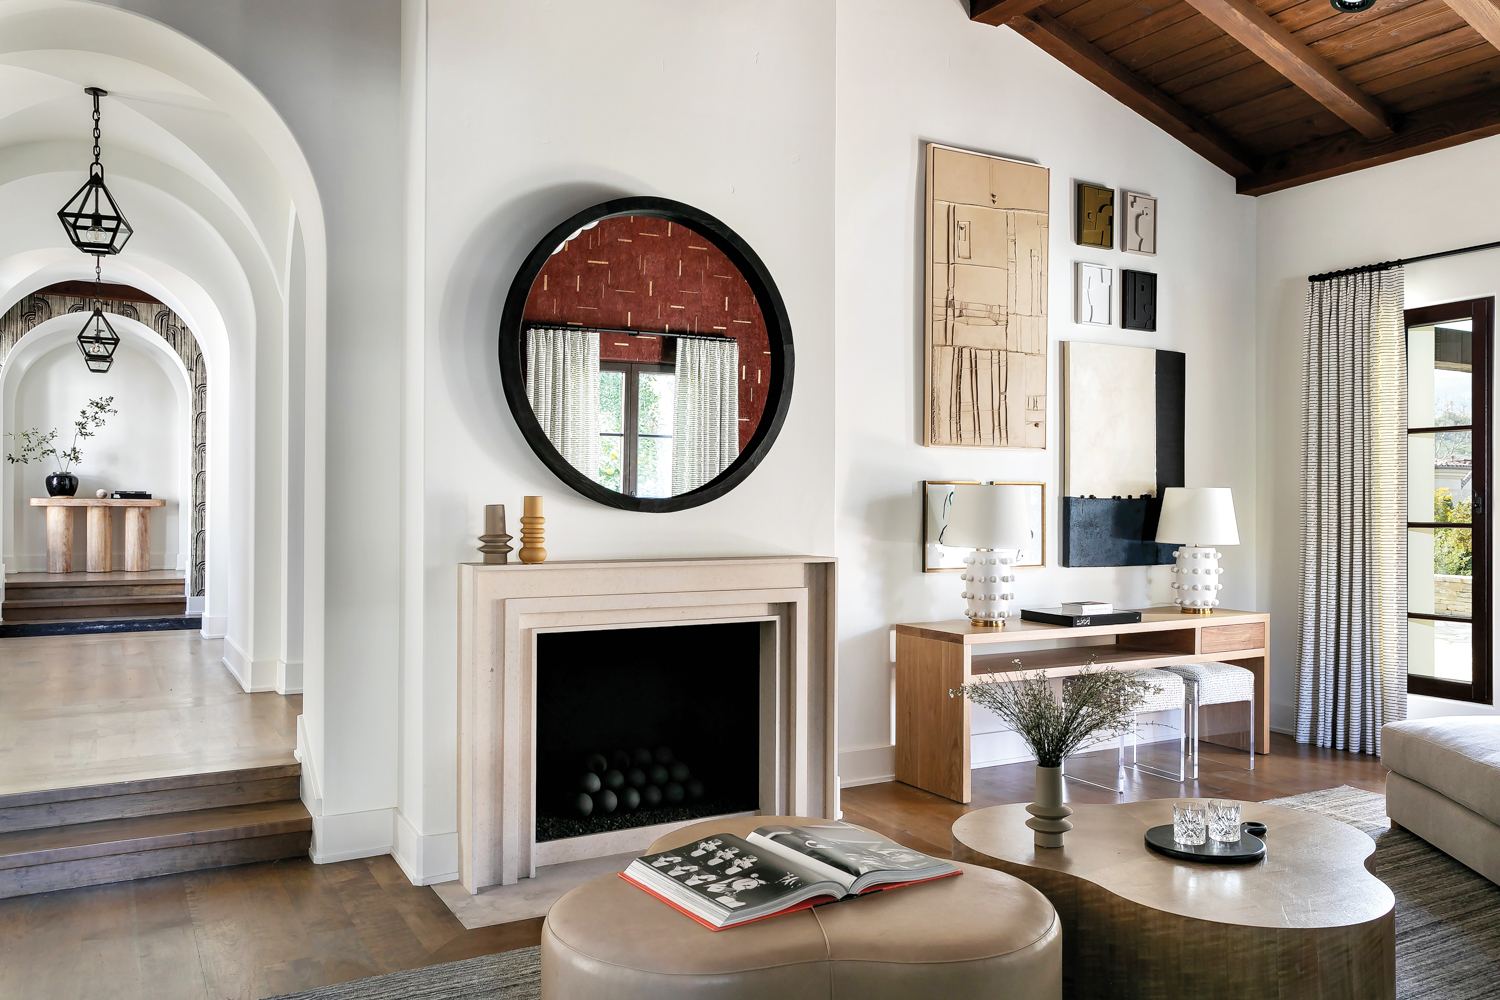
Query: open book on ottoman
[722, 880]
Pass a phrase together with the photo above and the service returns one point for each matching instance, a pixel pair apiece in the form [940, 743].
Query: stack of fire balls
[625, 781]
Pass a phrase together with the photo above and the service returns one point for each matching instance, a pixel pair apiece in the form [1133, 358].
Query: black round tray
[1250, 848]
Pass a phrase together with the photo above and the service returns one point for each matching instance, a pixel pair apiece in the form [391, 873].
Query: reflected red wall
[643, 273]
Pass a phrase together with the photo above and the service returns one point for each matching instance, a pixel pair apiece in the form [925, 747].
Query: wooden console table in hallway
[932, 658]
[101, 537]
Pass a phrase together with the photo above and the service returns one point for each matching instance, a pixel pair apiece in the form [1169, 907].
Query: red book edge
[804, 905]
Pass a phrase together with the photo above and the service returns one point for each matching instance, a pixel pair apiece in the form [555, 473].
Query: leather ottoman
[981, 934]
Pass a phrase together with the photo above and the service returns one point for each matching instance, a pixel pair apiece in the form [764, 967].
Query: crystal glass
[1224, 821]
[1189, 823]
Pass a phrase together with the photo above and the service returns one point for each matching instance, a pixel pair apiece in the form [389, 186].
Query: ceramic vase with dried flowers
[1094, 705]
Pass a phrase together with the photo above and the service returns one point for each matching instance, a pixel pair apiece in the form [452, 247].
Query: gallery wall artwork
[937, 498]
[1123, 426]
[986, 336]
[1094, 292]
[1095, 217]
[1137, 300]
[1138, 230]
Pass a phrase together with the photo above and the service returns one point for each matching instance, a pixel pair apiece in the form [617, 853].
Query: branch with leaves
[32, 445]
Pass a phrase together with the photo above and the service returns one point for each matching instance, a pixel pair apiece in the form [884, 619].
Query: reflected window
[1447, 578]
[637, 410]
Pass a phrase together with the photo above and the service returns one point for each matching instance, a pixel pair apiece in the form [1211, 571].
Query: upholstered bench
[1444, 785]
[983, 934]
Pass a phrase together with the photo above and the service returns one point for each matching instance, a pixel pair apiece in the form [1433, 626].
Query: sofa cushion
[1457, 756]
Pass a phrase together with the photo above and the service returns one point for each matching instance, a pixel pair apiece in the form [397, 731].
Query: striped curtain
[562, 382]
[706, 428]
[1351, 659]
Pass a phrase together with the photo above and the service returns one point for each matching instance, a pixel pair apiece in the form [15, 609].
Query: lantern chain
[96, 133]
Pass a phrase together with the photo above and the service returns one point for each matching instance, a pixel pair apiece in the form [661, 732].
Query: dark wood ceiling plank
[1450, 124]
[997, 12]
[1294, 132]
[1401, 28]
[1263, 35]
[1061, 8]
[1114, 79]
[1422, 61]
[1145, 54]
[1444, 87]
[1265, 111]
[1096, 18]
[1482, 15]
[1167, 19]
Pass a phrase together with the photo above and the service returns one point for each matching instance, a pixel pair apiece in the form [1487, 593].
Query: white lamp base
[989, 583]
[1196, 579]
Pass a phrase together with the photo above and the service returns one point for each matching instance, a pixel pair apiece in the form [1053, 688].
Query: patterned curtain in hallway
[562, 383]
[706, 431]
[1351, 659]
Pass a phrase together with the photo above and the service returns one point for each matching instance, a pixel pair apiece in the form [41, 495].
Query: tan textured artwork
[987, 292]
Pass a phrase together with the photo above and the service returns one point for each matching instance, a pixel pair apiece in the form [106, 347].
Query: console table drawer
[1224, 638]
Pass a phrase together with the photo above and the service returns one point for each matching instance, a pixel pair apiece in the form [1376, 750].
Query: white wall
[912, 71]
[1403, 209]
[142, 447]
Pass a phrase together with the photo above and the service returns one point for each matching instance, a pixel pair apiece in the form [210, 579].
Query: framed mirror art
[937, 497]
[646, 355]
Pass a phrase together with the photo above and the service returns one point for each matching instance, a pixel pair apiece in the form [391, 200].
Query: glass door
[1447, 483]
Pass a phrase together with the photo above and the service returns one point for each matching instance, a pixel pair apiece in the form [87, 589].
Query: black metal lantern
[91, 217]
[98, 340]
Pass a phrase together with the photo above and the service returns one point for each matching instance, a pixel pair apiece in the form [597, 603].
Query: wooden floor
[89, 709]
[261, 930]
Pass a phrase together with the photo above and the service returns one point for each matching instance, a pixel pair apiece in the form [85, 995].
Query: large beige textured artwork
[987, 297]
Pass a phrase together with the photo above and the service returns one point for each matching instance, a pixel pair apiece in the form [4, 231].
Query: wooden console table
[101, 532]
[932, 658]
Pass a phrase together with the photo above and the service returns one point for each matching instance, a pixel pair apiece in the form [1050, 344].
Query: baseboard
[347, 836]
[309, 790]
[288, 677]
[215, 626]
[253, 675]
[867, 766]
[196, 605]
[425, 860]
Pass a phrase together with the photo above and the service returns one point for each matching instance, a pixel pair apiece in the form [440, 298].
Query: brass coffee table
[1306, 921]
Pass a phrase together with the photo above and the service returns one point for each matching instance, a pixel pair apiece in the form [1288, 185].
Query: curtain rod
[1388, 264]
[626, 333]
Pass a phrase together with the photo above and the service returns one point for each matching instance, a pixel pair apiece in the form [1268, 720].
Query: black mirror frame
[778, 335]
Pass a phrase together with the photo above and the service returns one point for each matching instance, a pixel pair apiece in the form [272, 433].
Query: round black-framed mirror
[773, 372]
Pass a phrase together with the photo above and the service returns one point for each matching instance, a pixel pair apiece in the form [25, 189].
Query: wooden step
[54, 609]
[65, 857]
[91, 591]
[154, 796]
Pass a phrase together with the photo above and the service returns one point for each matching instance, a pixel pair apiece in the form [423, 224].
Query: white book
[1087, 608]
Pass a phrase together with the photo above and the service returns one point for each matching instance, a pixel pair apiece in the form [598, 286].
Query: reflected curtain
[1351, 658]
[562, 382]
[706, 428]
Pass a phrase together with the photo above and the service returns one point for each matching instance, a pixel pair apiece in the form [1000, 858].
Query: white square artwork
[1138, 234]
[1109, 395]
[1095, 288]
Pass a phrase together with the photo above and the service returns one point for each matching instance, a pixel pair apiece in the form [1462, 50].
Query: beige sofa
[1444, 785]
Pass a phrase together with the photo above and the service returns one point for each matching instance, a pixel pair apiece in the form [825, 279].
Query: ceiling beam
[1074, 52]
[997, 12]
[1439, 127]
[1246, 23]
[1482, 15]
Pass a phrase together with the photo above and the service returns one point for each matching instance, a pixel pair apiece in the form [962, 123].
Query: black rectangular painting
[1137, 300]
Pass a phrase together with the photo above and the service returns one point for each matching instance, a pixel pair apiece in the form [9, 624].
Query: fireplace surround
[505, 610]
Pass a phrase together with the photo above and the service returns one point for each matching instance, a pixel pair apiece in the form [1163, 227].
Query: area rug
[1447, 915]
[510, 975]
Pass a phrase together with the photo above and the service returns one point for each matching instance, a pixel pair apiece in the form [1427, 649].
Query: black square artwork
[1138, 300]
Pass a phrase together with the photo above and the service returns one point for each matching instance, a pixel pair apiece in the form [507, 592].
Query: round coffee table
[1306, 921]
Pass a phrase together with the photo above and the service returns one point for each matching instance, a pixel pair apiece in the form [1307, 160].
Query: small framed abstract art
[1138, 233]
[1137, 300]
[1095, 293]
[1095, 216]
[937, 498]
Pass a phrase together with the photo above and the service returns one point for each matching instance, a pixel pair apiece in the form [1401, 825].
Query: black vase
[62, 484]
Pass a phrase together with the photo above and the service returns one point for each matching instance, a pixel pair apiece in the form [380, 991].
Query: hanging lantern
[98, 340]
[91, 217]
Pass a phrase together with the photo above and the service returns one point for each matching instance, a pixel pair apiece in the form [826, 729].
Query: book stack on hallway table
[722, 880]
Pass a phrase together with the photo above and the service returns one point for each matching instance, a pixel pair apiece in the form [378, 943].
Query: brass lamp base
[988, 622]
[1197, 611]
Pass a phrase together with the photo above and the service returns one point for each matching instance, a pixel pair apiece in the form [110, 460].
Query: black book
[1055, 616]
[723, 880]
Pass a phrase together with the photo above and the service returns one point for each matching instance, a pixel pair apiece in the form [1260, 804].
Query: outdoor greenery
[32, 445]
[1453, 548]
[611, 425]
[1095, 704]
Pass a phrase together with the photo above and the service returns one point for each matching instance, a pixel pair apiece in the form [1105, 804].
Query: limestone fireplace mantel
[502, 608]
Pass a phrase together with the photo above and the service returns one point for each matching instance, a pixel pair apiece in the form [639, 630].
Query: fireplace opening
[639, 726]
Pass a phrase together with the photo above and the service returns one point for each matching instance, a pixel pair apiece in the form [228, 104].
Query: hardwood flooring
[89, 709]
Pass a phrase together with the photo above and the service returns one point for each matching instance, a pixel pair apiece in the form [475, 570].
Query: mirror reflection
[647, 361]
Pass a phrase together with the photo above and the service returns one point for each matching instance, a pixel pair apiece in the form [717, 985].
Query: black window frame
[1481, 312]
[630, 435]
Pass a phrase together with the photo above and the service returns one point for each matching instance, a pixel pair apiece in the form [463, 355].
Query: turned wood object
[137, 539]
[101, 539]
[495, 543]
[531, 532]
[1307, 921]
[100, 532]
[59, 539]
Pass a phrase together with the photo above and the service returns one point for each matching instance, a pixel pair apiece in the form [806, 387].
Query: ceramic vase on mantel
[1049, 817]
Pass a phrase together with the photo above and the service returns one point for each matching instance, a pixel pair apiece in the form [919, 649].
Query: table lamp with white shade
[992, 520]
[1197, 519]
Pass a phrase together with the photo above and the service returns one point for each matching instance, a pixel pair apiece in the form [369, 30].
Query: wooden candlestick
[531, 532]
[494, 543]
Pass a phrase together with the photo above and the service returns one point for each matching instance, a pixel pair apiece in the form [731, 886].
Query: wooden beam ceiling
[1068, 48]
[1257, 31]
[1482, 15]
[997, 12]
